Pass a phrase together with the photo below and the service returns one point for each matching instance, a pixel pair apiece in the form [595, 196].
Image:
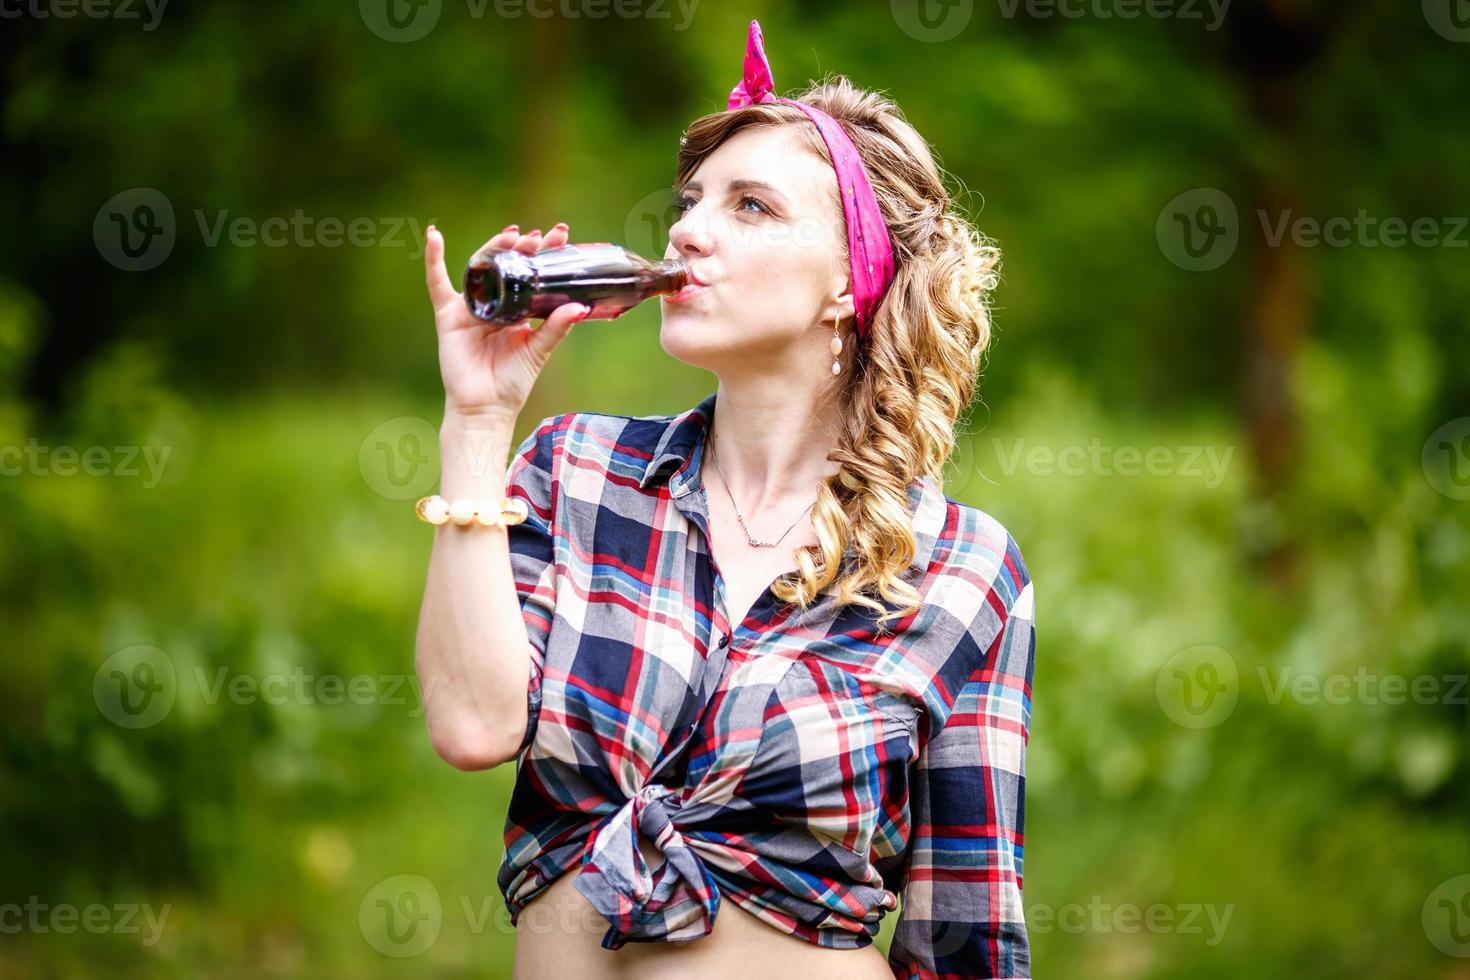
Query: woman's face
[762, 229]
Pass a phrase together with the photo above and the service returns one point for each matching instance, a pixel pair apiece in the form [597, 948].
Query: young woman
[762, 678]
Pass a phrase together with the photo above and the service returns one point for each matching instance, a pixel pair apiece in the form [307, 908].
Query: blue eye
[684, 202]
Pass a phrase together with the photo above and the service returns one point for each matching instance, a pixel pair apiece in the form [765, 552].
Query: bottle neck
[673, 274]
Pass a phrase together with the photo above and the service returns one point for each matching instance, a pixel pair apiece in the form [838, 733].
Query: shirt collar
[677, 459]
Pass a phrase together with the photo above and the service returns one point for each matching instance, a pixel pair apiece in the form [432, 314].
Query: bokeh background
[1226, 416]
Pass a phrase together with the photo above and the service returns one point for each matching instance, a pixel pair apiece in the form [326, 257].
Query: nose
[690, 235]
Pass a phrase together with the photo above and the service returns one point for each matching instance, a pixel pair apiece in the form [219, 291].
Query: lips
[695, 285]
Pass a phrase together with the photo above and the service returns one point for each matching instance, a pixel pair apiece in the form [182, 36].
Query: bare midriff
[559, 937]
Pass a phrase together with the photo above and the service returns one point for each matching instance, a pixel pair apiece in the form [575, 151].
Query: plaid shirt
[797, 763]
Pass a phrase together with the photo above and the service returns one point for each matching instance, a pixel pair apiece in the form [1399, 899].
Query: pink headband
[869, 249]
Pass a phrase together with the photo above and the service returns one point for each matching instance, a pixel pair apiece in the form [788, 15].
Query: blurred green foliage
[263, 542]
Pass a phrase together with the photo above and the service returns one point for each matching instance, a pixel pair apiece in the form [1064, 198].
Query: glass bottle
[504, 286]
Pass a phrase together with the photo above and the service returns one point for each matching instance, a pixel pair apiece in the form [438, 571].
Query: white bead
[836, 368]
[436, 511]
[836, 345]
[462, 512]
[487, 517]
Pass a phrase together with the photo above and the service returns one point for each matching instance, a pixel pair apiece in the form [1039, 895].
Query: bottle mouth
[493, 282]
[484, 286]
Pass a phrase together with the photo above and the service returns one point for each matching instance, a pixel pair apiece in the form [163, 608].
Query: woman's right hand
[488, 369]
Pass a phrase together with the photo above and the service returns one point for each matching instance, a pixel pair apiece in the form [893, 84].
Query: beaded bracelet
[434, 509]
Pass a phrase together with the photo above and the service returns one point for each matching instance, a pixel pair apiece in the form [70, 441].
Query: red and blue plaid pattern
[801, 764]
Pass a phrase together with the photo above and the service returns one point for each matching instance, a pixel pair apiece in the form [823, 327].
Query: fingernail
[534, 231]
[559, 224]
[511, 228]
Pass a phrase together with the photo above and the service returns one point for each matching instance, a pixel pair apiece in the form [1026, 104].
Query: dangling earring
[836, 346]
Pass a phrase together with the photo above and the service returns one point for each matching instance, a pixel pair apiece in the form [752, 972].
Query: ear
[842, 307]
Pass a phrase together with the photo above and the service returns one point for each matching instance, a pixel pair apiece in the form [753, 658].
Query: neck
[772, 443]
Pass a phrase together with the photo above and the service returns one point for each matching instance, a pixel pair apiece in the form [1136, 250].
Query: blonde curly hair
[917, 371]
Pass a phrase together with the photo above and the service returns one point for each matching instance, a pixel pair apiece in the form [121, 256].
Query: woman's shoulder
[975, 559]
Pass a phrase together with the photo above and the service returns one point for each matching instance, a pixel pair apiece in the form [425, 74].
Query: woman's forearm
[472, 653]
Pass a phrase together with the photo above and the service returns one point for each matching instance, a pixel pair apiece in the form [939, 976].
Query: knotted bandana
[870, 251]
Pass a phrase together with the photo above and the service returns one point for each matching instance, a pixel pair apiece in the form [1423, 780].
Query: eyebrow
[738, 184]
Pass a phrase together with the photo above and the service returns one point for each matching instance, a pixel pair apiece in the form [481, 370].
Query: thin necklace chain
[726, 484]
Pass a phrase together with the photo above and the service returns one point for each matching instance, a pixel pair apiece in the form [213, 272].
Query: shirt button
[725, 641]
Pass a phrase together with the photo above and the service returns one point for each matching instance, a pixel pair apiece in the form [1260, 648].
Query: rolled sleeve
[532, 478]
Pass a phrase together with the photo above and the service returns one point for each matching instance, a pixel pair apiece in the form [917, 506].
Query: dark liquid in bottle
[506, 286]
